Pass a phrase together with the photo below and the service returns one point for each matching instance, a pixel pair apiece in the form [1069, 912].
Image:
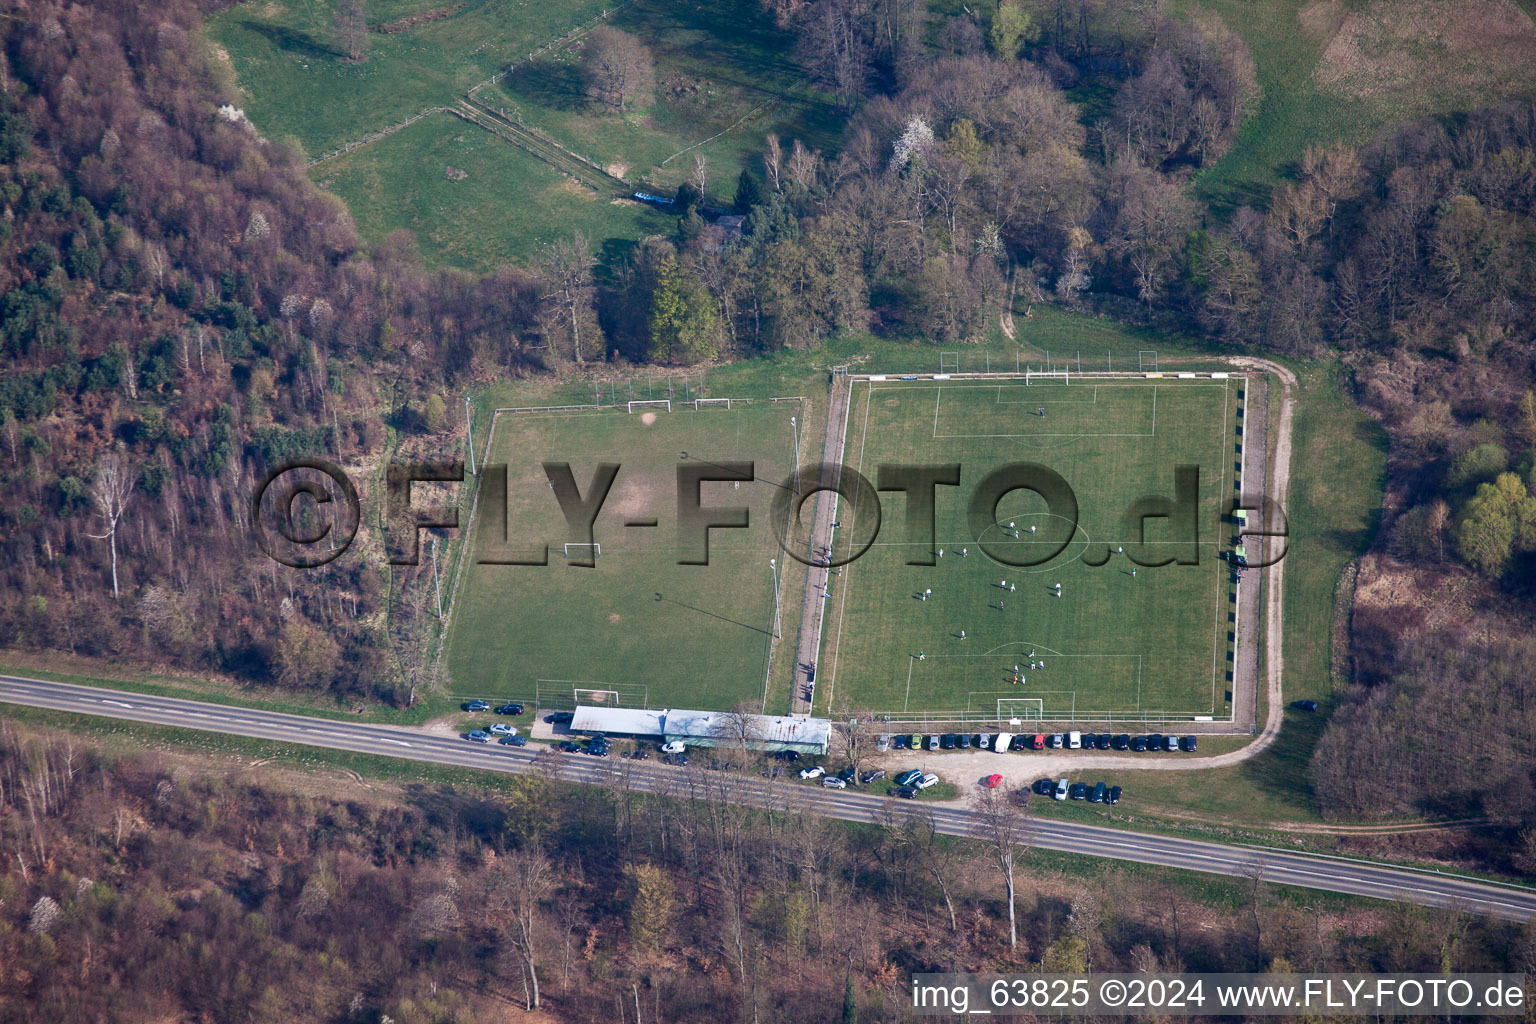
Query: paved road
[1338, 875]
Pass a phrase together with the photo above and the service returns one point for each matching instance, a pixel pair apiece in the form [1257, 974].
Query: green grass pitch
[659, 633]
[1112, 643]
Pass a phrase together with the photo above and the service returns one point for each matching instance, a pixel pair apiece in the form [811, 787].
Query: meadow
[636, 621]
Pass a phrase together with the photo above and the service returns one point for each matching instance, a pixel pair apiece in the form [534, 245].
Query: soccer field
[973, 636]
[657, 633]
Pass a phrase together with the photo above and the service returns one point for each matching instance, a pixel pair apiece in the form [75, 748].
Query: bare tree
[567, 269]
[699, 176]
[773, 162]
[617, 68]
[1005, 831]
[523, 880]
[350, 29]
[110, 492]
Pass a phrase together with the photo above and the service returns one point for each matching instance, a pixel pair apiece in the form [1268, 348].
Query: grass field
[509, 205]
[720, 68]
[1343, 70]
[296, 83]
[1112, 643]
[659, 633]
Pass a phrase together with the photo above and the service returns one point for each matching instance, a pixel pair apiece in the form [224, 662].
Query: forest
[180, 307]
[149, 886]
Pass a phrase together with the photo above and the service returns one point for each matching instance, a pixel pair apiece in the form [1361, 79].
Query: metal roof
[625, 721]
[716, 726]
[765, 729]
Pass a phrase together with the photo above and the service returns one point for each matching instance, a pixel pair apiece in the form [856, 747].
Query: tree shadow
[550, 84]
[291, 40]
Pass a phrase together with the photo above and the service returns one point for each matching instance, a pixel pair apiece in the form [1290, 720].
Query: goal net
[712, 403]
[592, 550]
[586, 696]
[651, 403]
[613, 695]
[1035, 378]
[1020, 709]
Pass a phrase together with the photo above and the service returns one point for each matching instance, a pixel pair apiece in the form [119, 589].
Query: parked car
[567, 746]
[1104, 740]
[964, 741]
[1304, 705]
[477, 705]
[1171, 743]
[1038, 741]
[814, 771]
[673, 747]
[1090, 741]
[847, 774]
[1074, 740]
[899, 741]
[982, 741]
[478, 736]
[1123, 742]
[1045, 787]
[514, 740]
[598, 748]
[883, 742]
[559, 717]
[873, 775]
[1062, 787]
[933, 741]
[908, 777]
[1139, 744]
[1096, 795]
[905, 792]
[992, 781]
[513, 708]
[1055, 741]
[1189, 744]
[1113, 796]
[1155, 742]
[927, 781]
[947, 741]
[915, 741]
[1019, 742]
[500, 729]
[833, 782]
[1079, 791]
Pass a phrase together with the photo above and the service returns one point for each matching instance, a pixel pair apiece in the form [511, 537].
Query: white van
[1001, 743]
[1074, 741]
[674, 747]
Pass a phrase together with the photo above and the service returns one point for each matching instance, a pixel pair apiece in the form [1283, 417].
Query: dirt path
[813, 609]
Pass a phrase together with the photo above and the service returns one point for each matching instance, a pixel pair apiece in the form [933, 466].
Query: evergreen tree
[683, 325]
[748, 193]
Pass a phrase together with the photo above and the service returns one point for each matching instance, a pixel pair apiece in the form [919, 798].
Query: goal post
[651, 403]
[712, 403]
[1035, 378]
[611, 695]
[593, 550]
[1024, 709]
[949, 362]
[589, 696]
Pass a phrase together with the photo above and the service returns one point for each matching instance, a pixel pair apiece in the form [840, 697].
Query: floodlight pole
[773, 565]
[795, 426]
[469, 421]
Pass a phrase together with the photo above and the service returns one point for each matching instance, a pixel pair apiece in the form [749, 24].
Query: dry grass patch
[1424, 50]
